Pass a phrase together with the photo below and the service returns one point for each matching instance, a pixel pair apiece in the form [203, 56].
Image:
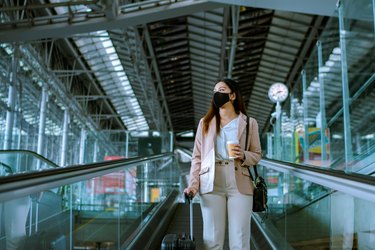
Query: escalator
[179, 224]
[316, 208]
[23, 161]
[133, 203]
[93, 206]
[309, 208]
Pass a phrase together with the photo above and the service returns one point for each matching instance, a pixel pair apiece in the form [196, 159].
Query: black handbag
[260, 186]
[260, 192]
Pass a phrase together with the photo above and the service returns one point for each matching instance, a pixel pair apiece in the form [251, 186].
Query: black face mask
[220, 99]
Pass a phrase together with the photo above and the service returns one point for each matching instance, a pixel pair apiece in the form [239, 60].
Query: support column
[345, 89]
[293, 118]
[323, 125]
[42, 120]
[64, 143]
[146, 194]
[269, 146]
[11, 101]
[171, 139]
[82, 146]
[95, 155]
[278, 132]
[19, 137]
[358, 144]
[306, 155]
[127, 144]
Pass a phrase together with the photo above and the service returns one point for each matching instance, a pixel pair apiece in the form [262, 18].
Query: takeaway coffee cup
[230, 145]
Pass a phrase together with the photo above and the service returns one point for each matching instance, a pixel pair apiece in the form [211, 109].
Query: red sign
[113, 183]
[113, 157]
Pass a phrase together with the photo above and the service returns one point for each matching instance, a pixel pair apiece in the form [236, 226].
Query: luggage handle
[189, 199]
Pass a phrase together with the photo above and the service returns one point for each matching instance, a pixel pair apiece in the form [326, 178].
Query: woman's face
[222, 87]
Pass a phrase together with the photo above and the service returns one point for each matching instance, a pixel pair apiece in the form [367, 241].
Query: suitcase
[184, 241]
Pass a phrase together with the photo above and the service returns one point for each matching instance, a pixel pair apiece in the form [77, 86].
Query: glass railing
[362, 162]
[318, 208]
[22, 161]
[327, 121]
[96, 206]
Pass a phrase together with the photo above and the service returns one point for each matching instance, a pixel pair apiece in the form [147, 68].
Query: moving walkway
[132, 203]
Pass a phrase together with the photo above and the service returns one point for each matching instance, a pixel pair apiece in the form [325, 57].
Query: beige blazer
[202, 171]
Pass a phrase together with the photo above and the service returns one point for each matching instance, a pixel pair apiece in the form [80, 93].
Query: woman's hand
[238, 152]
[189, 190]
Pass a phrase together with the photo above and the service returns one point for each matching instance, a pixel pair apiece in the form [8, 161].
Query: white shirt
[227, 133]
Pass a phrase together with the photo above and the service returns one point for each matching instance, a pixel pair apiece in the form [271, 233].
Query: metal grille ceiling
[206, 40]
[99, 53]
[187, 54]
[129, 47]
[188, 51]
[104, 61]
[171, 48]
[268, 43]
[287, 33]
[253, 32]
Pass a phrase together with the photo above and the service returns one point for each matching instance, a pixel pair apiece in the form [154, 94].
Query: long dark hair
[239, 106]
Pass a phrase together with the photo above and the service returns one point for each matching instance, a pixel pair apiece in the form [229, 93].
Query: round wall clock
[278, 92]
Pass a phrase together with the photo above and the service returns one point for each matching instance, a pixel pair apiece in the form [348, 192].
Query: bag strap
[247, 131]
[255, 166]
[255, 171]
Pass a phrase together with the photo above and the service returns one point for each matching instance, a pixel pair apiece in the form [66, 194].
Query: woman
[223, 183]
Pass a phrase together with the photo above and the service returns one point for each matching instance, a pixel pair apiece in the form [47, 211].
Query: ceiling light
[336, 51]
[334, 57]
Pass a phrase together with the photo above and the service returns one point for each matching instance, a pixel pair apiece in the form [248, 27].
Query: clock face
[278, 92]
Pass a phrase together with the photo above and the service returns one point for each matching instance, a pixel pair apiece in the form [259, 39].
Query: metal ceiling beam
[86, 71]
[96, 97]
[136, 65]
[223, 42]
[60, 30]
[34, 6]
[315, 7]
[235, 10]
[54, 84]
[104, 116]
[159, 88]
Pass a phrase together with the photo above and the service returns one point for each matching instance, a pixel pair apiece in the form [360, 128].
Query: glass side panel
[97, 213]
[306, 214]
[343, 56]
[358, 36]
[13, 162]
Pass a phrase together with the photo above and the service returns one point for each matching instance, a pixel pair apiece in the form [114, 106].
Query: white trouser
[226, 199]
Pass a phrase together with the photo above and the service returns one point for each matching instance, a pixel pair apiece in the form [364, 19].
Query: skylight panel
[115, 82]
[112, 57]
[116, 62]
[127, 88]
[96, 66]
[87, 48]
[110, 50]
[107, 44]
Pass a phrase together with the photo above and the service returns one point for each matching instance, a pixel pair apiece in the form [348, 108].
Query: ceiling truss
[173, 52]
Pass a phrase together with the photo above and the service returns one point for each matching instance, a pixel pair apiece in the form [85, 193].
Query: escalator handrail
[357, 185]
[20, 185]
[148, 234]
[6, 167]
[32, 153]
